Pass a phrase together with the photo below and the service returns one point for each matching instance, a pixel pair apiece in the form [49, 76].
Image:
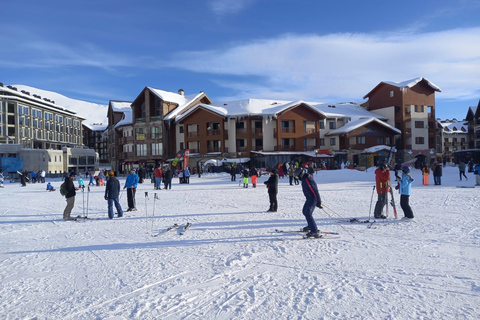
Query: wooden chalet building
[409, 107]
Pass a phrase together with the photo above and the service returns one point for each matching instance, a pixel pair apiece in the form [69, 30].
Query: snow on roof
[355, 124]
[263, 107]
[91, 112]
[345, 110]
[126, 119]
[376, 149]
[406, 84]
[183, 101]
[218, 110]
[454, 126]
[120, 106]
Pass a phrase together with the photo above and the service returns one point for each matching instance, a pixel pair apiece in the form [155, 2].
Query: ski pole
[329, 215]
[146, 211]
[88, 196]
[371, 201]
[155, 196]
[83, 206]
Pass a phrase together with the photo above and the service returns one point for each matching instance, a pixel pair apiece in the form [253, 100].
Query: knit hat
[111, 173]
[406, 169]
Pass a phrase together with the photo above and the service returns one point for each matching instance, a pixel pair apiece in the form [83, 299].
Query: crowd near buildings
[148, 131]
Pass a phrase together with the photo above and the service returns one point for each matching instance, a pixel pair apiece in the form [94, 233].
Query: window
[141, 149]
[322, 125]
[391, 94]
[141, 133]
[156, 132]
[419, 140]
[156, 149]
[332, 125]
[322, 142]
[380, 140]
[360, 140]
[419, 124]
[419, 108]
[333, 141]
[180, 129]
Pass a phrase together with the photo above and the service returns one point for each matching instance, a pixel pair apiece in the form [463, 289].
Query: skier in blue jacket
[405, 191]
[312, 200]
[131, 184]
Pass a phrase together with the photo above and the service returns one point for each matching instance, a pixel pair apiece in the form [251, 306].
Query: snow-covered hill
[232, 264]
[94, 113]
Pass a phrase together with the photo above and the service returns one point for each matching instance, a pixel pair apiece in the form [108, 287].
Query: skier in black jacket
[112, 192]
[272, 185]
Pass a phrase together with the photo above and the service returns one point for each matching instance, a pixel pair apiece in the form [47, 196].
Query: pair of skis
[323, 234]
[174, 227]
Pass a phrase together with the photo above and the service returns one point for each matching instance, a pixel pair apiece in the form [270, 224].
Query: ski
[84, 218]
[301, 231]
[174, 227]
[392, 202]
[185, 228]
[322, 237]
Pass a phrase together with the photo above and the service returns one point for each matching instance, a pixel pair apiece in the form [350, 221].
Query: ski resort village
[174, 206]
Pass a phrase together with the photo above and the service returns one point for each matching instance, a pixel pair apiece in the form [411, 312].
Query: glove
[319, 205]
[106, 198]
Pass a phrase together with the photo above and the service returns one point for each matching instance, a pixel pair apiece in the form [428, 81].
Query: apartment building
[453, 136]
[473, 119]
[410, 107]
[49, 136]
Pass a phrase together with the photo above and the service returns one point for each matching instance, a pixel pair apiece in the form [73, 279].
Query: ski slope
[231, 264]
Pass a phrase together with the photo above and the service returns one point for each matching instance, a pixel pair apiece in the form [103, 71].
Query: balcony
[193, 134]
[257, 131]
[284, 148]
[156, 118]
[213, 132]
[139, 120]
[241, 131]
[214, 149]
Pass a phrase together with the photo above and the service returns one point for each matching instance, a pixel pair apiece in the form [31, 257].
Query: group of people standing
[383, 185]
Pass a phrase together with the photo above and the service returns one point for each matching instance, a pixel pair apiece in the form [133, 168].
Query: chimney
[1, 84]
[181, 92]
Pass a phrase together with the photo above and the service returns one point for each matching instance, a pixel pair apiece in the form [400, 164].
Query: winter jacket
[461, 166]
[406, 184]
[186, 172]
[112, 189]
[158, 173]
[476, 169]
[272, 184]
[382, 180]
[438, 170]
[132, 180]
[70, 188]
[310, 190]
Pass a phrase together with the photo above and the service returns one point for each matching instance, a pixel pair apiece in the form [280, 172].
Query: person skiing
[70, 196]
[272, 185]
[246, 175]
[382, 180]
[312, 200]
[405, 191]
[254, 176]
[112, 191]
[461, 169]
[131, 183]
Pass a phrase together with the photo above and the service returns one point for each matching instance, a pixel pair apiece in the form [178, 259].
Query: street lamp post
[316, 161]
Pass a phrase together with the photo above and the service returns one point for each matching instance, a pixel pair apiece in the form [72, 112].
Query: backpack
[63, 189]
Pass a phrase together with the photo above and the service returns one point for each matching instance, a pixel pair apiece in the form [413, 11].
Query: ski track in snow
[229, 264]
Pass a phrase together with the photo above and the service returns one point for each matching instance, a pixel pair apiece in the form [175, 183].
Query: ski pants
[254, 181]
[381, 202]
[407, 210]
[463, 173]
[117, 206]
[69, 207]
[131, 197]
[307, 211]
[273, 201]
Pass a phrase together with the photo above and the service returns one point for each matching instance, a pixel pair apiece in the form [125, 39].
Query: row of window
[48, 116]
[141, 149]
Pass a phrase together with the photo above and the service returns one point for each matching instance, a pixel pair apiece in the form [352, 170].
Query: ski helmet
[406, 169]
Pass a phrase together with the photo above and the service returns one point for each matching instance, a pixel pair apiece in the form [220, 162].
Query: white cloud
[346, 66]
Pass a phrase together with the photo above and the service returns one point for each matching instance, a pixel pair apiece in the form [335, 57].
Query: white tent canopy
[226, 160]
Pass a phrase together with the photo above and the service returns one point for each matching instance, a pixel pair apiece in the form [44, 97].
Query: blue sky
[312, 50]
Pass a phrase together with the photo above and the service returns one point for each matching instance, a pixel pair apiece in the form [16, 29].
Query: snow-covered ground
[231, 264]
